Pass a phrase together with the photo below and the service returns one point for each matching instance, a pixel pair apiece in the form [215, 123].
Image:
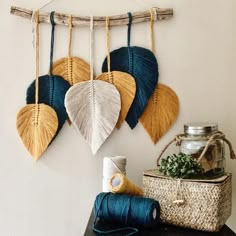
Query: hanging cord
[33, 28]
[91, 48]
[130, 51]
[36, 20]
[70, 35]
[91, 68]
[152, 21]
[52, 40]
[69, 59]
[108, 49]
[210, 140]
[129, 27]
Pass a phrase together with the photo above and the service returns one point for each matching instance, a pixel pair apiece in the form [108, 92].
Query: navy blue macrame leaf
[52, 90]
[141, 63]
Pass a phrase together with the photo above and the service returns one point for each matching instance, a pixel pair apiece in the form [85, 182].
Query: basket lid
[157, 174]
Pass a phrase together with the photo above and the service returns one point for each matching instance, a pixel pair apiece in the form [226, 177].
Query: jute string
[69, 63]
[210, 140]
[108, 49]
[91, 48]
[36, 81]
[70, 35]
[152, 12]
[36, 15]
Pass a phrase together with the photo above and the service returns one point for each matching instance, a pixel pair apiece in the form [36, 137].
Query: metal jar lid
[200, 128]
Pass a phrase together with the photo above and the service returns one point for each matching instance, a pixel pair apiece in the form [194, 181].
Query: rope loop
[70, 35]
[70, 21]
[91, 23]
[52, 18]
[129, 27]
[153, 18]
[91, 48]
[52, 42]
[36, 16]
[110, 76]
[154, 10]
[210, 140]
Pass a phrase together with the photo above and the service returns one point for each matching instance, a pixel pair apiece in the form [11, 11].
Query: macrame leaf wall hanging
[36, 123]
[142, 65]
[93, 106]
[72, 69]
[124, 83]
[52, 88]
[163, 106]
[160, 112]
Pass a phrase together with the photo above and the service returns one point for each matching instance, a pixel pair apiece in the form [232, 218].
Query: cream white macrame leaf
[93, 108]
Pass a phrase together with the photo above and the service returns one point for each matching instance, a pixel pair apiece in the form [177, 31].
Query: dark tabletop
[161, 230]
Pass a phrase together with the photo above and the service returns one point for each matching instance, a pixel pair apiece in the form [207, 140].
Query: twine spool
[112, 165]
[120, 184]
[130, 211]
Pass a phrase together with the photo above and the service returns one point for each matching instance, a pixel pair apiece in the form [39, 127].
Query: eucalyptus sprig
[181, 166]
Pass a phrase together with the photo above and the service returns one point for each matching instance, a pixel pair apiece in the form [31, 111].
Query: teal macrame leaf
[141, 63]
[52, 90]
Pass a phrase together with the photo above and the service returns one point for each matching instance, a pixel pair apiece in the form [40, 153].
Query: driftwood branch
[99, 21]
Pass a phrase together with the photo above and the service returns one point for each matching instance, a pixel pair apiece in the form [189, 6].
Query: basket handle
[217, 136]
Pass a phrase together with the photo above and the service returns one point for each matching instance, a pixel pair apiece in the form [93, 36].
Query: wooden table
[162, 230]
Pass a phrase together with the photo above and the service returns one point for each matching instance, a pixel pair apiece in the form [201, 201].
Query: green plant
[181, 166]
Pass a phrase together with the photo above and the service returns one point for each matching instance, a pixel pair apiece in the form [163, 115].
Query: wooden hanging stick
[99, 21]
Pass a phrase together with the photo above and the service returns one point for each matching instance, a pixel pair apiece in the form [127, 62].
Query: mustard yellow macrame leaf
[161, 112]
[72, 69]
[126, 86]
[36, 127]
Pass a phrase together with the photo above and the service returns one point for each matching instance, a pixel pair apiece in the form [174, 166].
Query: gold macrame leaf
[126, 86]
[161, 112]
[36, 124]
[72, 69]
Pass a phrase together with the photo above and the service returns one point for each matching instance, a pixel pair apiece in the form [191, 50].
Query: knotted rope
[152, 20]
[108, 49]
[210, 140]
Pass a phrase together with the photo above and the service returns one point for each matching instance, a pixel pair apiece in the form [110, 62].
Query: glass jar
[196, 137]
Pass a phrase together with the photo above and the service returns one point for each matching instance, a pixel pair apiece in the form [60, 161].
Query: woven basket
[198, 204]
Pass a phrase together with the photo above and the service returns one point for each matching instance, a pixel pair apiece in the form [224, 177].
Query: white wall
[196, 53]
